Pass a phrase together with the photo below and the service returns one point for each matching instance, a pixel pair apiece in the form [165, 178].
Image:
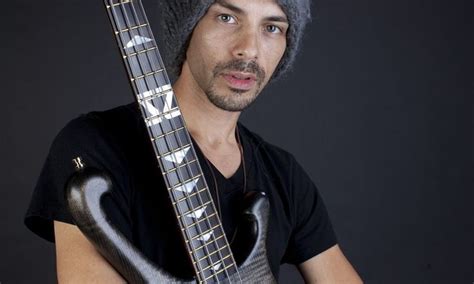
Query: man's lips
[240, 80]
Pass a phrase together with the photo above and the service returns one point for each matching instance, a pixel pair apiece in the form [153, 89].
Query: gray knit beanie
[181, 16]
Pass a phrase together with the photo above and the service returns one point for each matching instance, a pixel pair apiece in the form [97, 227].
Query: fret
[136, 41]
[176, 185]
[213, 245]
[163, 116]
[217, 251]
[209, 240]
[223, 271]
[195, 212]
[131, 28]
[151, 96]
[144, 64]
[217, 268]
[168, 133]
[117, 4]
[216, 240]
[150, 85]
[166, 126]
[197, 204]
[147, 74]
[126, 14]
[140, 52]
[182, 148]
[180, 184]
[160, 99]
[153, 93]
[195, 194]
[193, 203]
[202, 248]
[177, 139]
[173, 140]
[186, 155]
[206, 238]
[195, 200]
[204, 223]
[215, 259]
[158, 96]
[188, 161]
[191, 163]
[212, 266]
[185, 171]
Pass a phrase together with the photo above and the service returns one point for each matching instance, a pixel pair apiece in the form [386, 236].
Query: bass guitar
[213, 258]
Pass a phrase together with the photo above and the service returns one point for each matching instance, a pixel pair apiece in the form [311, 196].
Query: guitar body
[84, 192]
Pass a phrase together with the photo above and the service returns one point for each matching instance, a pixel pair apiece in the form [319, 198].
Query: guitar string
[152, 62]
[134, 41]
[242, 159]
[199, 229]
[145, 84]
[190, 170]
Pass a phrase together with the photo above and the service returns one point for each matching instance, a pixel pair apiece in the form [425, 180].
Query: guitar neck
[196, 213]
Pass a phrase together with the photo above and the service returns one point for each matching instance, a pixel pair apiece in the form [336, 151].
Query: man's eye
[273, 29]
[226, 18]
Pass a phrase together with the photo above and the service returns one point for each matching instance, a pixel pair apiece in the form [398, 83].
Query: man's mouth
[242, 76]
[240, 80]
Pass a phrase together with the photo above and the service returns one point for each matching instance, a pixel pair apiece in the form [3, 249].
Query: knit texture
[180, 17]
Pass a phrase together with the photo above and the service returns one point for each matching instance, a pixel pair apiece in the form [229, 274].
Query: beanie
[180, 18]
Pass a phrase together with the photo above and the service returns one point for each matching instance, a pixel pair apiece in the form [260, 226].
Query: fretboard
[196, 213]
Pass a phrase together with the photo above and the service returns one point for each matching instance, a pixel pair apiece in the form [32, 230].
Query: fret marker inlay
[205, 237]
[196, 214]
[217, 266]
[158, 90]
[137, 40]
[166, 109]
[188, 187]
[178, 156]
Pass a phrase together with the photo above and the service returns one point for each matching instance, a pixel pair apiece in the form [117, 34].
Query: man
[226, 52]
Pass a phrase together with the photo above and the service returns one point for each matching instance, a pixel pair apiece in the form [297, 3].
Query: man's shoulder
[96, 126]
[95, 120]
[117, 114]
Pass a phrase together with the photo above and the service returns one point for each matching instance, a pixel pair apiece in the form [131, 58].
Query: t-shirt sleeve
[312, 229]
[82, 137]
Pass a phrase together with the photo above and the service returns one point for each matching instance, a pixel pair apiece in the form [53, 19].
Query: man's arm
[77, 260]
[330, 266]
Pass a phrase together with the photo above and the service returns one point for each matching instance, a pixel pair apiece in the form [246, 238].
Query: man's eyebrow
[277, 19]
[229, 6]
[238, 10]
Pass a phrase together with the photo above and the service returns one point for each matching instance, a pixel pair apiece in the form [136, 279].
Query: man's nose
[247, 45]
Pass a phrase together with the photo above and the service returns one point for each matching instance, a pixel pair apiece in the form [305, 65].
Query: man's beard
[238, 100]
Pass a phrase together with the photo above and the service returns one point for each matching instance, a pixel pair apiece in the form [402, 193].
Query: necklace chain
[216, 187]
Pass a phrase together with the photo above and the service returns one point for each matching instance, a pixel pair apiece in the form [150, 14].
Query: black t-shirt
[117, 142]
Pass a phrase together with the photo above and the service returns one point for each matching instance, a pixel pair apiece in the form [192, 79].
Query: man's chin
[239, 103]
[239, 91]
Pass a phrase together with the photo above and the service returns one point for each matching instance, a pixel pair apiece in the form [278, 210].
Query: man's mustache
[241, 66]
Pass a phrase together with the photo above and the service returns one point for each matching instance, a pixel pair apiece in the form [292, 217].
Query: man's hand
[77, 260]
[330, 266]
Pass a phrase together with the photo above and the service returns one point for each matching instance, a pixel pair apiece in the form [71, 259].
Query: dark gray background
[379, 111]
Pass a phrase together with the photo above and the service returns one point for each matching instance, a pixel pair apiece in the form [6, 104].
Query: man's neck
[212, 128]
[209, 125]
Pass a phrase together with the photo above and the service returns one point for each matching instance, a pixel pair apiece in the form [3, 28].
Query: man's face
[235, 49]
